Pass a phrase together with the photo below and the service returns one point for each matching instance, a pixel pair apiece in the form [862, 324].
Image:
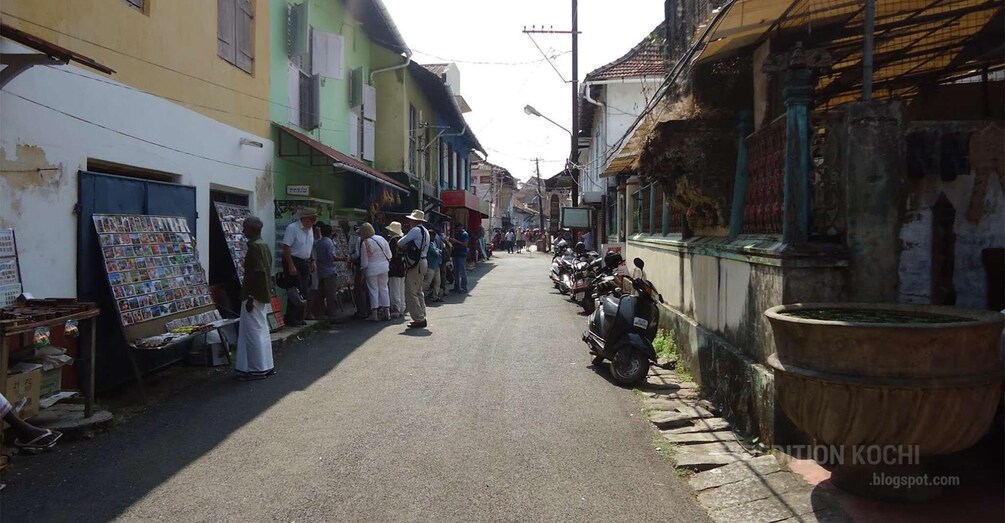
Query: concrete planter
[881, 379]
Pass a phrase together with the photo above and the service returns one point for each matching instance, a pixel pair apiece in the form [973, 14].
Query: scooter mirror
[639, 263]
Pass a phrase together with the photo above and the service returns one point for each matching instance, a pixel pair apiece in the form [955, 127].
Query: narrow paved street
[493, 415]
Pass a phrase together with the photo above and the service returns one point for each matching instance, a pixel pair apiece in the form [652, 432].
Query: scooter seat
[610, 306]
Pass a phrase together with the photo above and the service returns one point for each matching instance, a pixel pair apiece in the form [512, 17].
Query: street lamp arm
[534, 112]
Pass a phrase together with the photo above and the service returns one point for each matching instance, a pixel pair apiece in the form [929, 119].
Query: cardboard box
[25, 385]
[52, 381]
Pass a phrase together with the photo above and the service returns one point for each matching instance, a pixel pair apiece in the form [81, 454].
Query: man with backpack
[415, 247]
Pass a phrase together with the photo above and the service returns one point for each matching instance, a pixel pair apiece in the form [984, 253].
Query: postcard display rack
[231, 219]
[23, 317]
[159, 287]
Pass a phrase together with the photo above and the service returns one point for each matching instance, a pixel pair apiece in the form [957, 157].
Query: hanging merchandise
[71, 329]
[152, 265]
[232, 221]
[41, 338]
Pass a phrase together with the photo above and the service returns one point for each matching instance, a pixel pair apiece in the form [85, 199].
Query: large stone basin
[912, 376]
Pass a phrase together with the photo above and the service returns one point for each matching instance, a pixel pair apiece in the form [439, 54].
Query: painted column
[631, 205]
[620, 212]
[798, 94]
[743, 129]
[666, 214]
[652, 208]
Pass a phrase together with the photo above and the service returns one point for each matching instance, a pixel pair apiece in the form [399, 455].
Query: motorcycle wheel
[629, 367]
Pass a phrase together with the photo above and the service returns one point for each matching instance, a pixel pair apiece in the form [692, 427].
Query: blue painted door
[109, 194]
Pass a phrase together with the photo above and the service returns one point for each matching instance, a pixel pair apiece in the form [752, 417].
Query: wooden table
[88, 323]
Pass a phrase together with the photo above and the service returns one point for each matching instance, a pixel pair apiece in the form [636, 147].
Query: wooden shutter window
[245, 36]
[226, 25]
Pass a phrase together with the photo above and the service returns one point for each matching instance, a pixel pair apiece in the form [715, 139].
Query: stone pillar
[743, 129]
[798, 94]
[871, 139]
[631, 205]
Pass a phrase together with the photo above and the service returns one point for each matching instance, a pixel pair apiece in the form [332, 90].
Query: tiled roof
[436, 69]
[645, 59]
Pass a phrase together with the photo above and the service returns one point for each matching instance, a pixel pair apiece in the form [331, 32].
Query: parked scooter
[600, 280]
[622, 330]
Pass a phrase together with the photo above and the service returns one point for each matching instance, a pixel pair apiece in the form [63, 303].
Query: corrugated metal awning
[917, 42]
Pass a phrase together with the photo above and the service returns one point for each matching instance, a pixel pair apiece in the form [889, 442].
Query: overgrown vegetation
[667, 349]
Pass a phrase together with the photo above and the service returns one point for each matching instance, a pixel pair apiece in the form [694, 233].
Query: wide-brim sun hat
[417, 215]
[308, 212]
[394, 228]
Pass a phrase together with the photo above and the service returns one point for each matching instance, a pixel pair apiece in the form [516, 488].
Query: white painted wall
[89, 116]
[623, 101]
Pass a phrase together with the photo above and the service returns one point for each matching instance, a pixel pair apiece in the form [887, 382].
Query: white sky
[464, 31]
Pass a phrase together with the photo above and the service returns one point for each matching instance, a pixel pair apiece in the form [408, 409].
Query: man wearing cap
[416, 241]
[298, 259]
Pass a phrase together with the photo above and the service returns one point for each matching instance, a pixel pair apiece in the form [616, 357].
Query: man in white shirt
[298, 259]
[417, 239]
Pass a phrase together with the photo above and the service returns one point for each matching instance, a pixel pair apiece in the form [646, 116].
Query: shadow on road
[100, 479]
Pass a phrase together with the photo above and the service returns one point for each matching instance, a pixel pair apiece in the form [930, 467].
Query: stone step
[689, 438]
[753, 468]
[681, 416]
[700, 425]
[750, 489]
[799, 505]
[705, 456]
[690, 395]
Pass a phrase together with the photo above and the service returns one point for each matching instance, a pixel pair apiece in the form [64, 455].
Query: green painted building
[323, 109]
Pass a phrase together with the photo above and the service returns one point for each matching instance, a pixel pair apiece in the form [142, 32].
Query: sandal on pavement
[45, 441]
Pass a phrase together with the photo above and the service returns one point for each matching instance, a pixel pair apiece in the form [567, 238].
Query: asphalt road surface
[493, 414]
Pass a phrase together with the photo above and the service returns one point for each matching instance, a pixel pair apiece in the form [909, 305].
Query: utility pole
[574, 146]
[540, 206]
[574, 153]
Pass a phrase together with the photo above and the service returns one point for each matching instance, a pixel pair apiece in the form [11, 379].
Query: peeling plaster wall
[969, 277]
[41, 150]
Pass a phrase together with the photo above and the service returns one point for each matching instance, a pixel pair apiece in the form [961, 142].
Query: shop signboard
[576, 217]
[298, 190]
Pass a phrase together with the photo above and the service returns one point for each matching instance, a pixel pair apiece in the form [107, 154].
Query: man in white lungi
[254, 346]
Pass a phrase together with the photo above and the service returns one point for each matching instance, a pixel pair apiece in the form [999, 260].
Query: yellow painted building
[169, 48]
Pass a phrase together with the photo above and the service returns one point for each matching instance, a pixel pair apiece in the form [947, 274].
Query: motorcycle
[559, 263]
[622, 330]
[597, 281]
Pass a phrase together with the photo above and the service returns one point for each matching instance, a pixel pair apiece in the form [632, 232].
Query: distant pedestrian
[526, 238]
[360, 296]
[520, 242]
[375, 260]
[510, 239]
[416, 245]
[254, 345]
[588, 240]
[326, 256]
[298, 245]
[434, 259]
[396, 273]
[460, 258]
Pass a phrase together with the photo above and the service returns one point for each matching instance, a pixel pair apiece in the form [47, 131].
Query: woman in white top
[374, 261]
